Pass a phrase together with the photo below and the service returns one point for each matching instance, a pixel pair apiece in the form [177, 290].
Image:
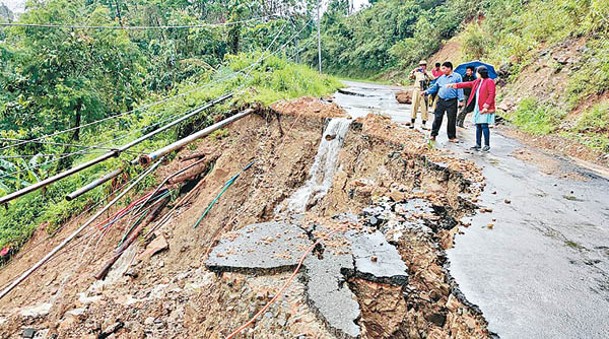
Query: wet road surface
[542, 271]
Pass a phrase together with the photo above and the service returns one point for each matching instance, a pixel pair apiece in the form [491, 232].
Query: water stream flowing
[323, 169]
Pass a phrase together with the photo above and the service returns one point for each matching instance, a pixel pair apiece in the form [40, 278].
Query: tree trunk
[233, 38]
[66, 162]
[118, 13]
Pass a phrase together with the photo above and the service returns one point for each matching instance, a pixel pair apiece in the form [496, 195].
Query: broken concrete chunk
[375, 259]
[265, 246]
[329, 296]
[29, 333]
[36, 311]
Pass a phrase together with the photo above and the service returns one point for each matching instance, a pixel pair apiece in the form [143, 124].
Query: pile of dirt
[382, 169]
[415, 145]
[451, 50]
[387, 175]
[280, 166]
[309, 107]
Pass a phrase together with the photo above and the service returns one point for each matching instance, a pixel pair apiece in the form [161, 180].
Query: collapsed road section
[361, 255]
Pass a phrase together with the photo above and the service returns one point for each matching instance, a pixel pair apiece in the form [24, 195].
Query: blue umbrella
[476, 63]
[463, 67]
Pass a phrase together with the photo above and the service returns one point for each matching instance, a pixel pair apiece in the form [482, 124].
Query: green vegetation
[593, 79]
[535, 118]
[59, 78]
[592, 129]
[66, 78]
[390, 34]
[513, 33]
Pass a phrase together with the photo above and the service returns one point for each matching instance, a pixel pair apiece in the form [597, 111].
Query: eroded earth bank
[336, 229]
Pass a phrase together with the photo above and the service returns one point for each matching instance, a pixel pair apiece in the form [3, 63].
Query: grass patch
[219, 134]
[537, 119]
[593, 78]
[595, 120]
[592, 129]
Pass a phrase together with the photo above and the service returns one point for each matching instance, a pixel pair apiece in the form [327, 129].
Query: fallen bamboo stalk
[193, 156]
[159, 224]
[77, 232]
[106, 268]
[204, 165]
[111, 154]
[148, 158]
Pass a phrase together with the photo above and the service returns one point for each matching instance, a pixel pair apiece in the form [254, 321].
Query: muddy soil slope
[388, 185]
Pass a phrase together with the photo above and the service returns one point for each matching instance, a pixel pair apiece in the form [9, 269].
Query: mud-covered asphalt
[536, 261]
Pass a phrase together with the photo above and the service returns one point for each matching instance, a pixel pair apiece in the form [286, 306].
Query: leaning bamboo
[203, 165]
[106, 156]
[76, 233]
[148, 158]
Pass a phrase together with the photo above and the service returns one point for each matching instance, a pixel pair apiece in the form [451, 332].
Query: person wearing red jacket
[483, 90]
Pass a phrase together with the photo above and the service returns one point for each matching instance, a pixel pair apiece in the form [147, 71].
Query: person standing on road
[422, 77]
[469, 76]
[436, 72]
[484, 105]
[448, 101]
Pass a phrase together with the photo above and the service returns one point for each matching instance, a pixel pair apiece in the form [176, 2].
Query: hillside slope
[552, 61]
[388, 182]
[535, 102]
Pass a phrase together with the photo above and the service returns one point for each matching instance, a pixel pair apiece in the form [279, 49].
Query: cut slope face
[388, 189]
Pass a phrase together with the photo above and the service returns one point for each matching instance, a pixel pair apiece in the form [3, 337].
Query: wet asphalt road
[542, 271]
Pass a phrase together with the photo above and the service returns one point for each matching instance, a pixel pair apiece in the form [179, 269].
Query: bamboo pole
[77, 232]
[106, 156]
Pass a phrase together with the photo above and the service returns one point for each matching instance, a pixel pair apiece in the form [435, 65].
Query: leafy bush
[596, 119]
[475, 43]
[592, 129]
[535, 118]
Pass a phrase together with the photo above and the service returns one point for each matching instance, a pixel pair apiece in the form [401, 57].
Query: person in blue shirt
[449, 99]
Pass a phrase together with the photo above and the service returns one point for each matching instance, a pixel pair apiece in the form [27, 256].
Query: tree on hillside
[63, 77]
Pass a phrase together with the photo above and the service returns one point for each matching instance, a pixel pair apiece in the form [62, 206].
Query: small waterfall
[324, 167]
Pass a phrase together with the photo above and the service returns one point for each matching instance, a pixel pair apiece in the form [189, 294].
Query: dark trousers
[463, 113]
[450, 107]
[483, 129]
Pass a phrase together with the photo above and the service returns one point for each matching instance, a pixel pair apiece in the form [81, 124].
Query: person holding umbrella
[469, 76]
[483, 90]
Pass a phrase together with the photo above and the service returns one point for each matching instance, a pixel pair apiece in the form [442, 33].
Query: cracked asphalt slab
[537, 261]
[267, 247]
